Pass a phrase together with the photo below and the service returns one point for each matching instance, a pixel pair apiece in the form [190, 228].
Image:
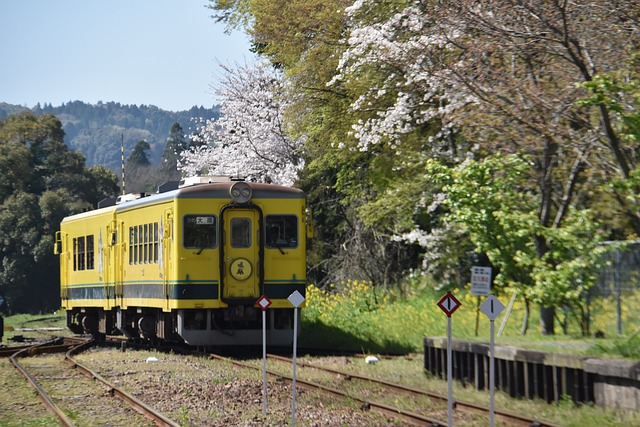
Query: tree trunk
[525, 320]
[547, 320]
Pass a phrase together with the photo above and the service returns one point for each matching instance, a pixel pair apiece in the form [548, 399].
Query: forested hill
[97, 130]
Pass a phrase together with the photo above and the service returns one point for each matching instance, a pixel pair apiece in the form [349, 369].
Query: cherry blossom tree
[385, 87]
[249, 139]
[506, 78]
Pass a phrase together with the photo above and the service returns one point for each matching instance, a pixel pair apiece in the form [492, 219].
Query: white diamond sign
[492, 307]
[296, 299]
[264, 302]
[449, 303]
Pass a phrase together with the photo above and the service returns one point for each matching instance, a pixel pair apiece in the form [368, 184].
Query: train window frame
[81, 253]
[84, 253]
[131, 231]
[289, 238]
[90, 252]
[140, 244]
[189, 230]
[155, 243]
[240, 225]
[135, 244]
[75, 254]
[144, 243]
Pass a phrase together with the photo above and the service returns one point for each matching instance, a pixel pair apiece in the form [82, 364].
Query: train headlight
[240, 192]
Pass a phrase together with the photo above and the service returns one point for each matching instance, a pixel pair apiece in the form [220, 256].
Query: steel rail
[504, 415]
[44, 397]
[73, 347]
[10, 351]
[135, 403]
[406, 416]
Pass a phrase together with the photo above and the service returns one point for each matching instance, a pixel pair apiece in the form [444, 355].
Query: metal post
[122, 154]
[492, 376]
[264, 362]
[618, 296]
[449, 375]
[295, 346]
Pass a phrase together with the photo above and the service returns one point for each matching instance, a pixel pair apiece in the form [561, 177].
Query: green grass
[362, 318]
[359, 317]
[20, 326]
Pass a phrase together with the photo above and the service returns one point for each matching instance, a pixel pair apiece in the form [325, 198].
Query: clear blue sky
[154, 52]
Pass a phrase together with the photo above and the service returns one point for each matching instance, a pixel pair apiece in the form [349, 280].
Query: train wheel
[90, 324]
[147, 326]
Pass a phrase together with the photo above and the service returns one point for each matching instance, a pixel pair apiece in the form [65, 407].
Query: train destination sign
[449, 304]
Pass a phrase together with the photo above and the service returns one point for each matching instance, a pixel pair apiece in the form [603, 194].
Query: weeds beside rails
[357, 315]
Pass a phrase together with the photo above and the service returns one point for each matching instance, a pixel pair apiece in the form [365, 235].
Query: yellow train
[188, 264]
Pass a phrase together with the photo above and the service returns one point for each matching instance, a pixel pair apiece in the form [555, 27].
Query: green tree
[138, 170]
[138, 156]
[41, 183]
[490, 201]
[176, 144]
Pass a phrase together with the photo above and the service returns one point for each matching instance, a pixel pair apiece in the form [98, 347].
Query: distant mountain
[97, 130]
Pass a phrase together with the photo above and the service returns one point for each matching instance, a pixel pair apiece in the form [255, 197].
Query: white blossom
[249, 139]
[408, 44]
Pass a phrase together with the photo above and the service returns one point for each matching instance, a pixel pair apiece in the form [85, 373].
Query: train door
[61, 248]
[119, 261]
[240, 255]
[109, 245]
[165, 255]
[106, 253]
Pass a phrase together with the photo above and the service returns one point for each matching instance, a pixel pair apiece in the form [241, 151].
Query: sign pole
[296, 299]
[449, 303]
[492, 307]
[295, 346]
[264, 303]
[449, 373]
[264, 363]
[492, 376]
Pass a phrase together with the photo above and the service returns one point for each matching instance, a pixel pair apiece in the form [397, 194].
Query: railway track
[398, 404]
[402, 415]
[509, 418]
[431, 406]
[74, 393]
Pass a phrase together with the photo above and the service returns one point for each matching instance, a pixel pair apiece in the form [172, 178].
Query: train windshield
[240, 232]
[200, 231]
[281, 231]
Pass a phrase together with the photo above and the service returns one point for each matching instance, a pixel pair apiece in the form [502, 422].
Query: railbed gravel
[198, 391]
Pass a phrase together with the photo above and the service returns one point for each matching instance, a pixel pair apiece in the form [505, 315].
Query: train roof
[216, 190]
[90, 213]
[213, 190]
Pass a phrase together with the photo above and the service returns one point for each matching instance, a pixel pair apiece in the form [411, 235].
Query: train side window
[140, 244]
[75, 254]
[80, 249]
[240, 232]
[199, 231]
[155, 242]
[131, 247]
[90, 253]
[135, 245]
[145, 247]
[281, 231]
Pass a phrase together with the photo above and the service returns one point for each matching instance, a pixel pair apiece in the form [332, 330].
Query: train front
[245, 241]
